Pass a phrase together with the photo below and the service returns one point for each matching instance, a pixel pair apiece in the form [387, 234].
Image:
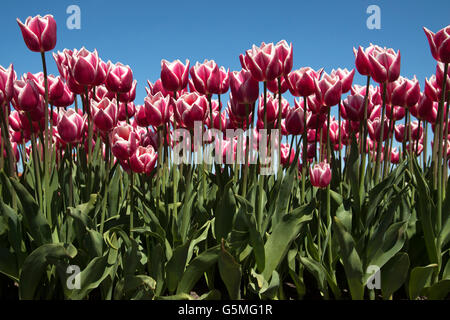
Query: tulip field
[273, 182]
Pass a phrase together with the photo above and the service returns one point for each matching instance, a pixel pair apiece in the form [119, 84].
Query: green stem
[380, 140]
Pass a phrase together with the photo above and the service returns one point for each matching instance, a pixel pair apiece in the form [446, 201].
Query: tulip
[39, 33]
[130, 95]
[320, 175]
[244, 87]
[439, 44]
[403, 92]
[263, 62]
[237, 111]
[124, 141]
[157, 109]
[126, 110]
[346, 78]
[440, 77]
[191, 107]
[206, 77]
[70, 126]
[271, 108]
[7, 78]
[143, 160]
[375, 128]
[62, 63]
[362, 61]
[353, 107]
[273, 86]
[174, 75]
[26, 95]
[224, 84]
[287, 155]
[104, 114]
[396, 113]
[103, 69]
[84, 66]
[154, 88]
[295, 120]
[301, 82]
[385, 64]
[119, 78]
[329, 90]
[285, 56]
[425, 108]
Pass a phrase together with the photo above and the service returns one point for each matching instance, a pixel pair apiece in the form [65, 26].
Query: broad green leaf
[230, 272]
[226, 209]
[394, 274]
[36, 263]
[176, 265]
[419, 279]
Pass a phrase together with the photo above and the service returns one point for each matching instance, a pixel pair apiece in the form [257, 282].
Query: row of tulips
[345, 196]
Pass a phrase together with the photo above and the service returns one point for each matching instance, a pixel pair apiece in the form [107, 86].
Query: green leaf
[351, 260]
[225, 213]
[394, 274]
[419, 279]
[36, 263]
[230, 272]
[90, 278]
[197, 268]
[34, 220]
[438, 291]
[283, 234]
[176, 265]
[8, 264]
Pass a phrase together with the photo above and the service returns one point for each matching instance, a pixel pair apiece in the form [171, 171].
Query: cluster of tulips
[47, 126]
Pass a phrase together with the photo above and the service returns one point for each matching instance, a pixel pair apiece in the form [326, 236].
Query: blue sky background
[141, 33]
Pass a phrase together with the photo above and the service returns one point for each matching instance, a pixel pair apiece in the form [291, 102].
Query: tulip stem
[439, 158]
[247, 147]
[380, 140]
[364, 136]
[387, 147]
[305, 148]
[280, 109]
[444, 165]
[425, 143]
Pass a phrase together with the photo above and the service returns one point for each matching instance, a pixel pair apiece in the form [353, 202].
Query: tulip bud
[39, 33]
[124, 141]
[403, 92]
[362, 62]
[174, 75]
[385, 64]
[346, 78]
[206, 77]
[157, 109]
[191, 107]
[271, 109]
[263, 62]
[329, 90]
[143, 160]
[83, 66]
[7, 78]
[285, 56]
[26, 95]
[439, 44]
[273, 85]
[104, 114]
[320, 175]
[119, 78]
[354, 107]
[70, 126]
[244, 87]
[301, 82]
[295, 120]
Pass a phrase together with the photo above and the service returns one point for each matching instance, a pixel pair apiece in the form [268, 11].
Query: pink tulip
[273, 85]
[320, 175]
[140, 116]
[439, 44]
[7, 78]
[154, 88]
[174, 75]
[432, 88]
[103, 68]
[375, 128]
[157, 109]
[395, 156]
[301, 82]
[39, 33]
[62, 62]
[84, 66]
[66, 99]
[440, 77]
[206, 77]
[271, 108]
[416, 132]
[244, 87]
[124, 141]
[403, 92]
[287, 155]
[353, 107]
[285, 56]
[143, 160]
[263, 62]
[424, 110]
[395, 113]
[191, 107]
[104, 114]
[295, 120]
[362, 62]
[224, 80]
[126, 110]
[26, 95]
[238, 111]
[329, 90]
[385, 64]
[119, 78]
[346, 78]
[130, 95]
[70, 126]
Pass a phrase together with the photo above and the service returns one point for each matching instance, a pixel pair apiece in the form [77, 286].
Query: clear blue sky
[141, 33]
